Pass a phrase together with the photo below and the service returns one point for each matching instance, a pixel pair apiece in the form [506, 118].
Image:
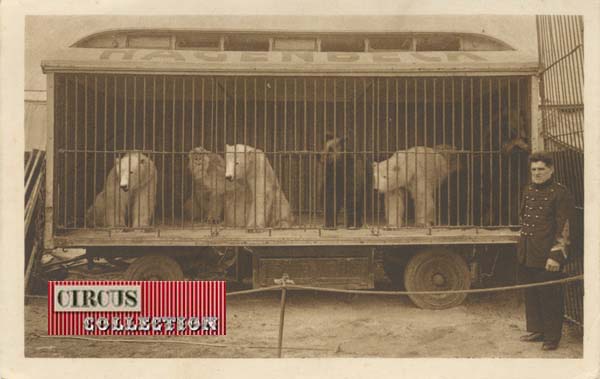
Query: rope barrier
[254, 290]
[480, 290]
[392, 293]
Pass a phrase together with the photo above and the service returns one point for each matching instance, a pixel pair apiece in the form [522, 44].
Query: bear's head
[515, 135]
[334, 148]
[203, 163]
[385, 175]
[133, 170]
[242, 161]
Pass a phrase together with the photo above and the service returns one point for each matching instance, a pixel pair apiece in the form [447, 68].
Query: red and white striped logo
[136, 308]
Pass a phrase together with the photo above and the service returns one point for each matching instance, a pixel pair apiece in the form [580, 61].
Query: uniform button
[536, 216]
[536, 190]
[531, 234]
[532, 198]
[546, 198]
[541, 207]
[532, 224]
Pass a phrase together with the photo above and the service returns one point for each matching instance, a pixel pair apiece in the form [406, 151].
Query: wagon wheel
[437, 269]
[154, 267]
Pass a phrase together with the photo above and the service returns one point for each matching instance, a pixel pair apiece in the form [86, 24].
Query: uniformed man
[546, 214]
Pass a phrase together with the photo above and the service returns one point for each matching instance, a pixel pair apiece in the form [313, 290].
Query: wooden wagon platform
[216, 236]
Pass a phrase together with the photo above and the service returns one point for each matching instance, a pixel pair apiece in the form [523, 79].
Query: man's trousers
[543, 305]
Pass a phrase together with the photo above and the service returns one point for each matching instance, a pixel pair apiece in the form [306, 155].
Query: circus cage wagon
[469, 98]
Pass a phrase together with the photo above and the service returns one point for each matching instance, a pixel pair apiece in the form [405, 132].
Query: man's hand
[552, 265]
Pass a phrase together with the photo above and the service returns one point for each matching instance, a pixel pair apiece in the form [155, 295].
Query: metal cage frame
[477, 129]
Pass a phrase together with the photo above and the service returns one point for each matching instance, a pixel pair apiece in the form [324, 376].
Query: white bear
[419, 170]
[214, 199]
[264, 203]
[129, 194]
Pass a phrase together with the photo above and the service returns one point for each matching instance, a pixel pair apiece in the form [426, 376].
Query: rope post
[285, 279]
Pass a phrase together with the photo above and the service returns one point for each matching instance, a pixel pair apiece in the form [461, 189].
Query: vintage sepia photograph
[366, 186]
[357, 160]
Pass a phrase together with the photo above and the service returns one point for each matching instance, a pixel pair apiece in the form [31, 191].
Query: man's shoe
[532, 337]
[550, 345]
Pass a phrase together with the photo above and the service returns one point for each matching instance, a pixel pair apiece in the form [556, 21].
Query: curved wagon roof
[518, 32]
[296, 63]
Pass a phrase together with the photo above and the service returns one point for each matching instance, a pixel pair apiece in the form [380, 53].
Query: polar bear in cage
[129, 194]
[213, 199]
[418, 170]
[266, 205]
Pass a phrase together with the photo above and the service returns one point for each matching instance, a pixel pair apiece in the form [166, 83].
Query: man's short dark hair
[542, 156]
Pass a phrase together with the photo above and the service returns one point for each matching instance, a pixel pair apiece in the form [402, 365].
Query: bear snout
[379, 187]
[125, 187]
[229, 177]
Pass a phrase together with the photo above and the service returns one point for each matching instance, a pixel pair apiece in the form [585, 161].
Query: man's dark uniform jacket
[546, 216]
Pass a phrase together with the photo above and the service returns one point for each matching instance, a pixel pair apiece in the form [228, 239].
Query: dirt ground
[328, 325]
